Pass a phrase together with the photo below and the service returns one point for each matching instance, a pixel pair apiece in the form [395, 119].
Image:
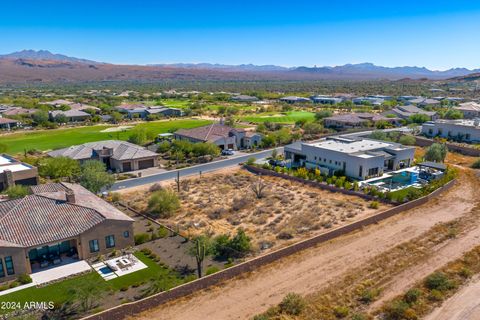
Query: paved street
[207, 167]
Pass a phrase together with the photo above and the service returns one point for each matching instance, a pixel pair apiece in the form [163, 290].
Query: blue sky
[436, 34]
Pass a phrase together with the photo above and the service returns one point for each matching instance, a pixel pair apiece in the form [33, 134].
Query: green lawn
[61, 138]
[62, 291]
[280, 117]
[176, 103]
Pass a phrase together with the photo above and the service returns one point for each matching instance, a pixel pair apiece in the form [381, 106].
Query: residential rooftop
[348, 145]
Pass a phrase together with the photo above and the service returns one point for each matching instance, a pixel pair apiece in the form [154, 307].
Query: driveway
[207, 167]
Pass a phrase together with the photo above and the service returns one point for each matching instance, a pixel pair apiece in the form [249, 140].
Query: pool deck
[138, 265]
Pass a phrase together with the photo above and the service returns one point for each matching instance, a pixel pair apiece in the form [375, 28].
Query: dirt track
[312, 269]
[462, 306]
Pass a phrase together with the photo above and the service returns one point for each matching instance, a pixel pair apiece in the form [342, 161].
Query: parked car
[228, 152]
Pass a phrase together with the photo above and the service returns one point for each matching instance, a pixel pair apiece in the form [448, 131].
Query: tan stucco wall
[20, 263]
[99, 232]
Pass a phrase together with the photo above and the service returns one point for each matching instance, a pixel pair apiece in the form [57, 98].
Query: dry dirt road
[312, 269]
[464, 305]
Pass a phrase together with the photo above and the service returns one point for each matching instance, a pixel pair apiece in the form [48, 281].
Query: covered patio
[53, 255]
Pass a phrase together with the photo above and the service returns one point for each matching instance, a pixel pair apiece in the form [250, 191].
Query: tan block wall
[99, 232]
[20, 263]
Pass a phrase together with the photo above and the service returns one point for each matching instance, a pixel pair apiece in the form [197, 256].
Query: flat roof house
[244, 98]
[141, 111]
[358, 158]
[368, 100]
[223, 136]
[294, 99]
[118, 156]
[326, 99]
[58, 222]
[13, 172]
[463, 130]
[470, 110]
[356, 120]
[406, 112]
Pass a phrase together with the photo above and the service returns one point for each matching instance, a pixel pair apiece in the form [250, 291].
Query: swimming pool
[105, 270]
[397, 180]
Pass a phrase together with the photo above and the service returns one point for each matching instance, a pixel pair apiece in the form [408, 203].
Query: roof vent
[70, 195]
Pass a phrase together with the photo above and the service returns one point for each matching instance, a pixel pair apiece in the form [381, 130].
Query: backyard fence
[130, 309]
[468, 151]
[316, 184]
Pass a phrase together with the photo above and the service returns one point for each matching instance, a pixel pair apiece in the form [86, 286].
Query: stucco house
[8, 124]
[470, 110]
[223, 136]
[118, 156]
[13, 172]
[70, 115]
[356, 120]
[356, 157]
[58, 222]
[463, 130]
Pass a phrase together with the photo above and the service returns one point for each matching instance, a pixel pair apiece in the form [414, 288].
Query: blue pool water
[105, 270]
[399, 179]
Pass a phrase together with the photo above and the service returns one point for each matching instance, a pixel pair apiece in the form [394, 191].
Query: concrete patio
[52, 274]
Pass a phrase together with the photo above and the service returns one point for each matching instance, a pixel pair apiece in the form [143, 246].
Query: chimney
[70, 195]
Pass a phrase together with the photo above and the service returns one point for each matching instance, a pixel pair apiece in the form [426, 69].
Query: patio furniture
[124, 263]
[57, 260]
[111, 265]
[43, 263]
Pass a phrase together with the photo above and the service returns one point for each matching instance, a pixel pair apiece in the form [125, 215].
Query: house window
[430, 131]
[360, 171]
[373, 171]
[9, 265]
[110, 241]
[94, 245]
[467, 136]
[126, 234]
[2, 271]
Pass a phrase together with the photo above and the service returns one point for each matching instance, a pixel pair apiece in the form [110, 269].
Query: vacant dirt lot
[285, 211]
[311, 270]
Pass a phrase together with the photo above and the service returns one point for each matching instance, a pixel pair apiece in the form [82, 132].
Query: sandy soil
[286, 212]
[464, 305]
[311, 270]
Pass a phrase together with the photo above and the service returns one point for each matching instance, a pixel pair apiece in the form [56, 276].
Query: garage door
[144, 164]
[127, 166]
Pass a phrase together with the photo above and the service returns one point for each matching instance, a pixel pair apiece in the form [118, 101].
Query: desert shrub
[436, 152]
[293, 304]
[146, 251]
[212, 270]
[396, 310]
[465, 272]
[438, 281]
[301, 173]
[116, 197]
[359, 316]
[239, 203]
[412, 295]
[435, 295]
[374, 205]
[155, 187]
[341, 312]
[368, 295]
[163, 203]
[162, 232]
[24, 279]
[476, 164]
[141, 238]
[59, 167]
[251, 161]
[355, 186]
[17, 191]
[407, 140]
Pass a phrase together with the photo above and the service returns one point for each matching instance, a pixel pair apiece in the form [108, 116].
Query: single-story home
[294, 99]
[15, 111]
[223, 136]
[470, 110]
[70, 115]
[356, 120]
[8, 124]
[358, 158]
[141, 111]
[13, 172]
[464, 130]
[326, 99]
[406, 112]
[244, 98]
[118, 156]
[58, 221]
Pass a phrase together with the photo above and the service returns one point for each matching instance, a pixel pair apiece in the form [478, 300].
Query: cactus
[200, 256]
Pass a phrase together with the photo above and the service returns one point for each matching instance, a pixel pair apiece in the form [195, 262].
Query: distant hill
[43, 66]
[44, 55]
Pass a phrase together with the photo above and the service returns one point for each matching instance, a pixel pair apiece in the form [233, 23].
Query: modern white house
[461, 130]
[356, 157]
[326, 99]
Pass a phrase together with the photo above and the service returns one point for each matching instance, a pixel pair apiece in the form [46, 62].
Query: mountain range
[44, 66]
